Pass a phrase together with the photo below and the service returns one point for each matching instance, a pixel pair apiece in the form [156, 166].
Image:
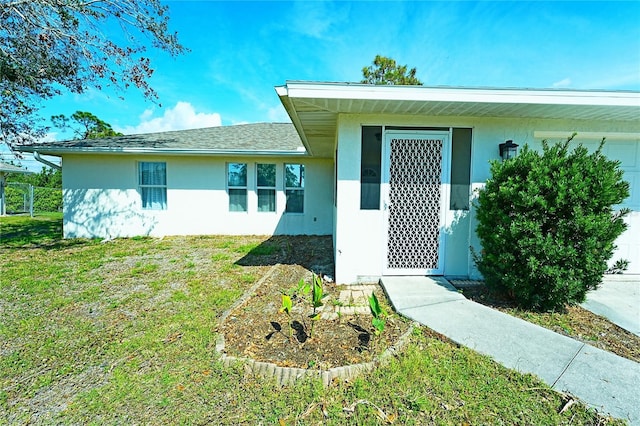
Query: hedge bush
[547, 225]
[47, 199]
[44, 199]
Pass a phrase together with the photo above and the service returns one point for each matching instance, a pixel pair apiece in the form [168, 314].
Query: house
[388, 171]
[254, 179]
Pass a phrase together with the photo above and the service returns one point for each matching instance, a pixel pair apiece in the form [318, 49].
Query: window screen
[152, 179]
[237, 186]
[266, 187]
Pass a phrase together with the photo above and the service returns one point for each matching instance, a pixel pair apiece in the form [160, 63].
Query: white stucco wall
[359, 233]
[102, 199]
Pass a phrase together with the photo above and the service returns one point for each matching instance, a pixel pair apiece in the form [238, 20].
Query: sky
[240, 50]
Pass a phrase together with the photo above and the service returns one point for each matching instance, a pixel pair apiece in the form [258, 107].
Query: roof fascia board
[283, 94]
[420, 93]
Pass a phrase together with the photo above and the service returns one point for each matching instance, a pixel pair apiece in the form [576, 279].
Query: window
[237, 186]
[370, 167]
[152, 178]
[460, 169]
[266, 187]
[294, 187]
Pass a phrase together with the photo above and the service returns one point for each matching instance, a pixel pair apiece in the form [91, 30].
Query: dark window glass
[370, 167]
[460, 169]
[294, 188]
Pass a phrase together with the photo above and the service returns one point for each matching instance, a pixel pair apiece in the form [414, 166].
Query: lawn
[123, 332]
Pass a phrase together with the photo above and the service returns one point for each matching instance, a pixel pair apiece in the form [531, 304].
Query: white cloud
[565, 82]
[318, 19]
[277, 114]
[51, 137]
[182, 116]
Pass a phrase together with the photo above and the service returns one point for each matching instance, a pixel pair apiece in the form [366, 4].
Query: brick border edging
[288, 375]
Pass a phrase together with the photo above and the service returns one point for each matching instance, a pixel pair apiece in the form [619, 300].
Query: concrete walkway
[617, 299]
[601, 379]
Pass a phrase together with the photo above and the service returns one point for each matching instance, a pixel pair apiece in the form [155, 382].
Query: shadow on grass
[313, 252]
[33, 232]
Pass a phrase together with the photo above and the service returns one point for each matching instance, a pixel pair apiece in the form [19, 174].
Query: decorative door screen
[414, 203]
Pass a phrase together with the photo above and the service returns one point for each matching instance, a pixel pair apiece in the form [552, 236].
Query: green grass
[124, 333]
[18, 231]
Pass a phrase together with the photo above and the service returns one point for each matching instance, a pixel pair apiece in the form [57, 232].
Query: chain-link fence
[25, 198]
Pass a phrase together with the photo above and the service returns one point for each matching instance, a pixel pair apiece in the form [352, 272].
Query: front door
[415, 176]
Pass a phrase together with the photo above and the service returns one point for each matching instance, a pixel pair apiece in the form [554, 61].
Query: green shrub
[47, 199]
[14, 199]
[44, 199]
[547, 226]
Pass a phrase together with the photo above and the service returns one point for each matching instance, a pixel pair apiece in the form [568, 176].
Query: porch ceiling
[314, 107]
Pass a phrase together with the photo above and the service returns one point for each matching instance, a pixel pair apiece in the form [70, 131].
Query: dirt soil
[257, 329]
[575, 322]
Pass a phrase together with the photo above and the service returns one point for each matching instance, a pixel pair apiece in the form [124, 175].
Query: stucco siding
[102, 199]
[359, 234]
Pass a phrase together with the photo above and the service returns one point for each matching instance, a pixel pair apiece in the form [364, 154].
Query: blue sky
[240, 50]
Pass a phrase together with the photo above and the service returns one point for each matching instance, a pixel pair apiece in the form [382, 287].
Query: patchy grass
[124, 333]
[17, 231]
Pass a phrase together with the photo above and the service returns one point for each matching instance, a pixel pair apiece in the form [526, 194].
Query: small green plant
[618, 267]
[378, 313]
[303, 288]
[316, 300]
[300, 292]
[286, 307]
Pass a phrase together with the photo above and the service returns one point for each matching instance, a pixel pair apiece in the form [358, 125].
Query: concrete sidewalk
[618, 300]
[601, 379]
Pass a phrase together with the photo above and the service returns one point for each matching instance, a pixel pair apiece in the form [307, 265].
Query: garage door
[628, 153]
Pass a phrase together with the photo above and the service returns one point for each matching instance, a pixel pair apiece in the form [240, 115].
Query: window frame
[141, 186]
[300, 188]
[272, 188]
[231, 187]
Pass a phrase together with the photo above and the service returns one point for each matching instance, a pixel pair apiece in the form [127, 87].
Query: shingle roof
[267, 138]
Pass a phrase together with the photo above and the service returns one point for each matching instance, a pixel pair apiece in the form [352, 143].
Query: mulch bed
[257, 330]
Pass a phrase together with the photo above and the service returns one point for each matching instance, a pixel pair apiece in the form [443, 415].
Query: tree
[46, 178]
[88, 126]
[385, 71]
[47, 46]
[547, 225]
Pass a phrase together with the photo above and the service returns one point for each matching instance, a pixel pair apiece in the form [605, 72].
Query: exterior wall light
[508, 150]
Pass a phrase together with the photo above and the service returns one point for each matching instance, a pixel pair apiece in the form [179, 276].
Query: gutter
[36, 155]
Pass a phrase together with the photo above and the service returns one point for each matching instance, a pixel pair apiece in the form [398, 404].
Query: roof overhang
[61, 150]
[10, 168]
[314, 107]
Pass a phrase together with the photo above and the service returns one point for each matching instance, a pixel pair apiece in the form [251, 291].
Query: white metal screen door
[413, 199]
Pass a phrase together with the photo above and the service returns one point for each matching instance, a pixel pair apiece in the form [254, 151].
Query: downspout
[36, 155]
